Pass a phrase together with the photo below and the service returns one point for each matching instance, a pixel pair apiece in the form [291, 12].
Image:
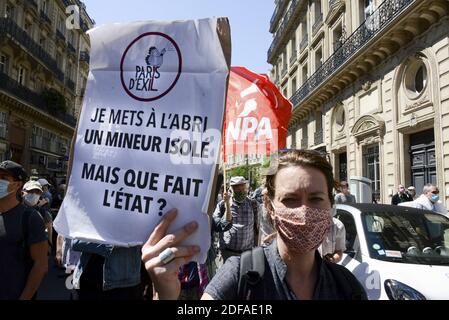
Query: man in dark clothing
[23, 242]
[401, 196]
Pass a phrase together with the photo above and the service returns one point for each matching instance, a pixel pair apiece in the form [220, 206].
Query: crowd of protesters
[287, 223]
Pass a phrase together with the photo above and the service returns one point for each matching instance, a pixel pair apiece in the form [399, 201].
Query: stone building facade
[44, 64]
[369, 81]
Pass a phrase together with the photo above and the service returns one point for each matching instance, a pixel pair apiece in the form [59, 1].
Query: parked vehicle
[396, 252]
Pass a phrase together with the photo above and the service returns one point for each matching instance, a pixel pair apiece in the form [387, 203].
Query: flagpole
[224, 170]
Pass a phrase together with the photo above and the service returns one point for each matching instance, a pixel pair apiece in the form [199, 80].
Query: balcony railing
[318, 22]
[60, 35]
[318, 138]
[280, 33]
[304, 43]
[84, 56]
[305, 143]
[373, 26]
[9, 27]
[70, 84]
[277, 14]
[45, 17]
[293, 57]
[23, 93]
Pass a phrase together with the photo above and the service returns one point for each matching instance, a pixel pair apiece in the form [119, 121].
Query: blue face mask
[4, 188]
[435, 198]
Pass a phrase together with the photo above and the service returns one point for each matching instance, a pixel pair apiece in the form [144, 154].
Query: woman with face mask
[299, 201]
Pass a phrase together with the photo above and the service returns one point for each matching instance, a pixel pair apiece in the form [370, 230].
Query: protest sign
[148, 137]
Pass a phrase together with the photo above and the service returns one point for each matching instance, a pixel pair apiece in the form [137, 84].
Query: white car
[396, 252]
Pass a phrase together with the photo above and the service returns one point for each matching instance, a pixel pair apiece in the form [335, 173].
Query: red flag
[257, 115]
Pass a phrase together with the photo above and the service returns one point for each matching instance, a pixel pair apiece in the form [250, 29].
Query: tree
[244, 171]
[55, 101]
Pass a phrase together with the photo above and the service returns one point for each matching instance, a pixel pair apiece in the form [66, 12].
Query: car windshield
[407, 237]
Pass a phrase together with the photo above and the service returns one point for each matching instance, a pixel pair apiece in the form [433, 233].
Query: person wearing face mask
[428, 200]
[299, 201]
[23, 241]
[235, 220]
[401, 196]
[31, 193]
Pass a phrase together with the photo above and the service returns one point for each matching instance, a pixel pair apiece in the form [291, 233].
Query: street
[53, 286]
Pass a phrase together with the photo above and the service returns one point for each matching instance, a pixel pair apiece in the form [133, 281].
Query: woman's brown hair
[304, 158]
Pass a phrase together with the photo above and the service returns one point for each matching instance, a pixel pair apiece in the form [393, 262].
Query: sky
[249, 20]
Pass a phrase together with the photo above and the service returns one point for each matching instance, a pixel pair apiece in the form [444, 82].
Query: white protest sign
[148, 137]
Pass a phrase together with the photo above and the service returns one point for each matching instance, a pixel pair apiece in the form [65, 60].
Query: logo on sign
[151, 66]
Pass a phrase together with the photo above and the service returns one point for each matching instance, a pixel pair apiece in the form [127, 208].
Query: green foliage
[55, 101]
[244, 171]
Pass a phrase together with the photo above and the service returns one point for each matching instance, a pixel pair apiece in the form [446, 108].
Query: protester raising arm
[163, 256]
[222, 216]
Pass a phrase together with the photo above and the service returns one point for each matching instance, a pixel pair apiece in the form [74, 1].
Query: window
[352, 241]
[44, 6]
[366, 9]
[28, 28]
[305, 131]
[304, 27]
[318, 14]
[9, 12]
[69, 71]
[61, 25]
[294, 46]
[420, 238]
[4, 63]
[284, 61]
[337, 37]
[415, 79]
[293, 85]
[43, 41]
[39, 85]
[59, 60]
[319, 121]
[22, 74]
[3, 125]
[340, 118]
[304, 73]
[318, 58]
[371, 169]
[70, 38]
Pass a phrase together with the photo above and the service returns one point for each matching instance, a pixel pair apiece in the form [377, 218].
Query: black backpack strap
[252, 269]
